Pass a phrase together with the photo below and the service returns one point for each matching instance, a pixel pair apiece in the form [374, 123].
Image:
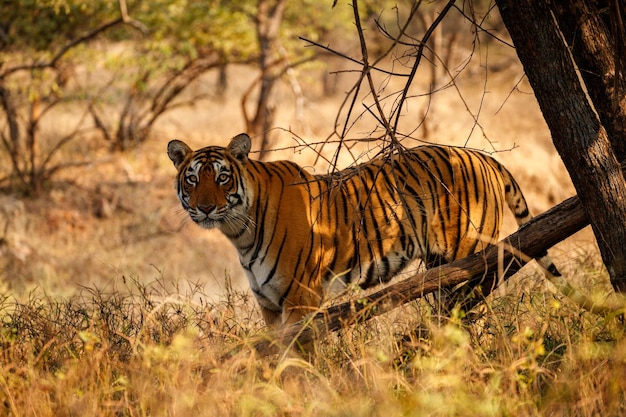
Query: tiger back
[297, 233]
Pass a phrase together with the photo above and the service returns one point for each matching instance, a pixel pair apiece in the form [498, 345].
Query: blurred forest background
[92, 91]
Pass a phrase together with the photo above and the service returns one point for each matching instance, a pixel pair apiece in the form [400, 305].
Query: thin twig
[418, 58]
[349, 58]
[129, 20]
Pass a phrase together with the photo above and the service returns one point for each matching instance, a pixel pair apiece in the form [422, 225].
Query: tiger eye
[191, 179]
[223, 178]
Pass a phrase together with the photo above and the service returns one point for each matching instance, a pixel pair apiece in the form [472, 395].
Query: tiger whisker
[239, 221]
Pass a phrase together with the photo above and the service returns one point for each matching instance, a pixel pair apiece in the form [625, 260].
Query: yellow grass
[148, 350]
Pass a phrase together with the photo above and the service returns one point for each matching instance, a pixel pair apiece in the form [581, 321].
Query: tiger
[298, 234]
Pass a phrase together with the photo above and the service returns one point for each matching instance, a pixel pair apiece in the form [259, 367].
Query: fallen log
[506, 257]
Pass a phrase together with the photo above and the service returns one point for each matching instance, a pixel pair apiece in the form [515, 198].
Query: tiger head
[211, 182]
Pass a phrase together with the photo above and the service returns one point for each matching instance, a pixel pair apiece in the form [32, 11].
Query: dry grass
[152, 350]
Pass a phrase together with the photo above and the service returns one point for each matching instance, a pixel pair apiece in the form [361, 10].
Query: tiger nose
[206, 209]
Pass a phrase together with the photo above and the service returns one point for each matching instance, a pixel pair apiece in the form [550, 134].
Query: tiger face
[209, 184]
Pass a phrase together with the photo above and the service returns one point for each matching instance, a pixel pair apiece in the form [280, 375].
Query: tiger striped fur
[296, 233]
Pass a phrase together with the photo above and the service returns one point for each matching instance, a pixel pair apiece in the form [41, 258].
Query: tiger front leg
[277, 321]
[297, 312]
[300, 303]
[272, 318]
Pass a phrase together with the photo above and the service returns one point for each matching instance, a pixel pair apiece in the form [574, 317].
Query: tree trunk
[267, 20]
[597, 46]
[577, 133]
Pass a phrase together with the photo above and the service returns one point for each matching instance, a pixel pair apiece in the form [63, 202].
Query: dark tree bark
[595, 34]
[577, 133]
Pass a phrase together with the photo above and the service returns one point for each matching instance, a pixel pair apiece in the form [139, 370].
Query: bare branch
[129, 20]
[14, 159]
[52, 63]
[62, 142]
[125, 18]
[100, 125]
[367, 74]
[418, 58]
[349, 58]
[7, 103]
[479, 24]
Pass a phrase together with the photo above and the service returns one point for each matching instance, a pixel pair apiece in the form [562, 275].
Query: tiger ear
[239, 146]
[178, 150]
